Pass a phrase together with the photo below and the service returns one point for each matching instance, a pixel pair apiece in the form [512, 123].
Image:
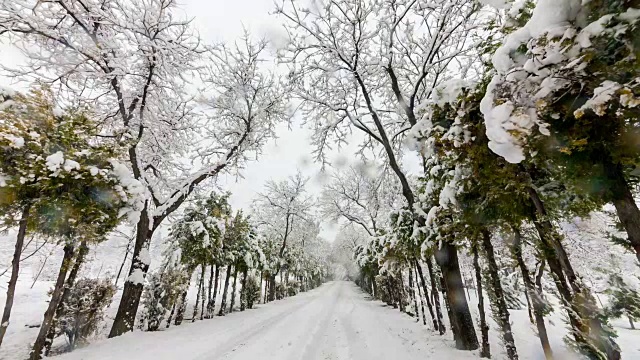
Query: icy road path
[335, 321]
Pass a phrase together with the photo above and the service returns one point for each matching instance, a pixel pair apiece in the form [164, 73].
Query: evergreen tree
[576, 101]
[57, 180]
[162, 292]
[250, 293]
[65, 183]
[624, 300]
[83, 309]
[199, 237]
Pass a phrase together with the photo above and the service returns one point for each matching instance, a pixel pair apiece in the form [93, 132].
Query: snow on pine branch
[538, 61]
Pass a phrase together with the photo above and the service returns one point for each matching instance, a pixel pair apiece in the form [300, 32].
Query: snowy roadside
[335, 321]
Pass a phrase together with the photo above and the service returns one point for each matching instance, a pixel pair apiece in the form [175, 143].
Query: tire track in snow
[316, 337]
[247, 335]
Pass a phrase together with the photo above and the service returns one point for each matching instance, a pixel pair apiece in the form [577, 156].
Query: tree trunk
[631, 323]
[124, 261]
[502, 313]
[623, 200]
[393, 291]
[437, 325]
[539, 274]
[272, 288]
[198, 293]
[182, 308]
[211, 306]
[374, 285]
[304, 282]
[535, 295]
[475, 288]
[391, 301]
[465, 333]
[424, 315]
[578, 320]
[128, 308]
[266, 290]
[368, 285]
[434, 293]
[260, 283]
[202, 303]
[466, 285]
[447, 304]
[220, 285]
[629, 216]
[401, 294]
[209, 292]
[485, 351]
[589, 331]
[286, 278]
[15, 271]
[243, 289]
[173, 311]
[40, 343]
[551, 239]
[412, 295]
[529, 307]
[223, 304]
[233, 291]
[68, 285]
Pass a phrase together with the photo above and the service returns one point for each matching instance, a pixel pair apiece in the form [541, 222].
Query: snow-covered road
[335, 321]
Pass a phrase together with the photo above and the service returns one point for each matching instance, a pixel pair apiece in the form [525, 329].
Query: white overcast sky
[224, 21]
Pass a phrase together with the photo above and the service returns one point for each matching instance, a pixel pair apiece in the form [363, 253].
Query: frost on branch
[361, 196]
[132, 63]
[372, 67]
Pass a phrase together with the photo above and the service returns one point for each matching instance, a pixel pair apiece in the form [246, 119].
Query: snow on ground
[30, 304]
[28, 310]
[335, 321]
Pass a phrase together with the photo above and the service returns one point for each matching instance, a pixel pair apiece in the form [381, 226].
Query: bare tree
[359, 196]
[344, 247]
[369, 66]
[134, 63]
[281, 209]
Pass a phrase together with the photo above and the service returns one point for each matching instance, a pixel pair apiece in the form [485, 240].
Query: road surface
[335, 321]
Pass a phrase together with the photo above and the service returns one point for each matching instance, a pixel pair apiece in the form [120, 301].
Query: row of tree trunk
[215, 287]
[72, 260]
[588, 330]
